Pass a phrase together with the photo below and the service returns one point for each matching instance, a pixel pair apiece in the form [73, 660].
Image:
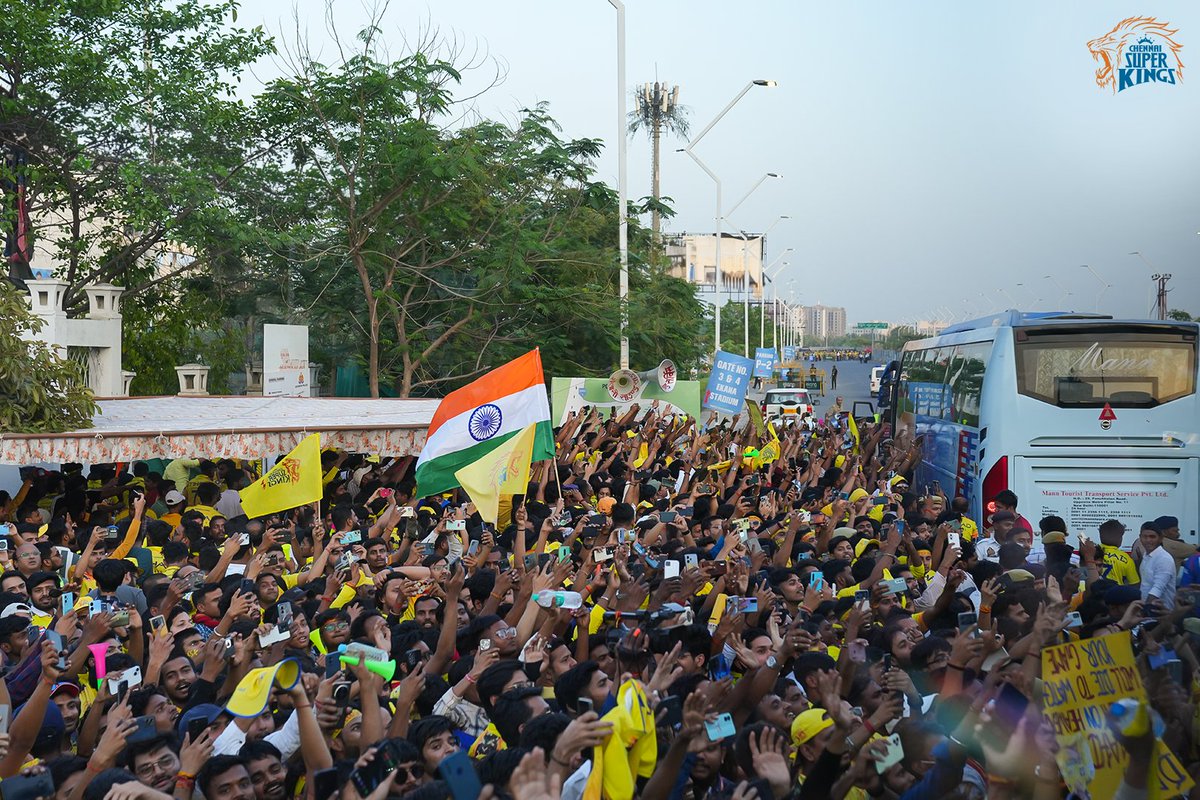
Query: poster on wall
[568, 395]
[285, 361]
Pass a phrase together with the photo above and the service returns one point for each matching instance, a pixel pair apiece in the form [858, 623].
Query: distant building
[693, 257]
[823, 322]
[930, 327]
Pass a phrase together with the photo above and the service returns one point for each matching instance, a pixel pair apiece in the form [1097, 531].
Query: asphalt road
[853, 384]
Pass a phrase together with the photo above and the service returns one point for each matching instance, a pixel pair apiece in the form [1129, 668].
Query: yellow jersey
[1118, 566]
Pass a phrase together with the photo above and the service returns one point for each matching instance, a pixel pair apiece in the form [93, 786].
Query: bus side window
[968, 381]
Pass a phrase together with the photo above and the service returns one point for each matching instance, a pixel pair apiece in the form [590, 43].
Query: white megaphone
[664, 375]
[624, 385]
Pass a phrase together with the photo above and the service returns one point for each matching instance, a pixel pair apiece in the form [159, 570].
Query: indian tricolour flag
[476, 419]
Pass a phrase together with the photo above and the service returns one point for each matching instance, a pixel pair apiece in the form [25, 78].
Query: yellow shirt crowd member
[1118, 566]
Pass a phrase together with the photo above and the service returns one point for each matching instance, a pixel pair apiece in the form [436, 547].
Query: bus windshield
[1122, 366]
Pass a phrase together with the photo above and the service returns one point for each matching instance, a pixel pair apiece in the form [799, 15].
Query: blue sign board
[728, 383]
[764, 362]
[789, 353]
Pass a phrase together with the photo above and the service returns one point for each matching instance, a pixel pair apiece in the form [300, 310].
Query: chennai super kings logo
[505, 469]
[1138, 50]
[286, 471]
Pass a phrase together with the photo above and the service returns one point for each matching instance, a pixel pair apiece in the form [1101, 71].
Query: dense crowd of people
[674, 609]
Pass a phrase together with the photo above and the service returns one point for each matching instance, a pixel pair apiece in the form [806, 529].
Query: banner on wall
[285, 361]
[572, 394]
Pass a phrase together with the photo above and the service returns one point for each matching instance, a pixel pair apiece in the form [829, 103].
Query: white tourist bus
[1083, 416]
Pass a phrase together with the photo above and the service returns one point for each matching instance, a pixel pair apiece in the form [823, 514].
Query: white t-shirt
[1158, 576]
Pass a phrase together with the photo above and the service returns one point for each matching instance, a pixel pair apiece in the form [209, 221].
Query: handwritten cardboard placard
[1080, 681]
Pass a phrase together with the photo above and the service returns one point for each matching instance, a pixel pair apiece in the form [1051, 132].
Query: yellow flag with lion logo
[295, 481]
[504, 470]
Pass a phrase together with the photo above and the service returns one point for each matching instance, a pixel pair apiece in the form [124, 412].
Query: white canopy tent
[131, 428]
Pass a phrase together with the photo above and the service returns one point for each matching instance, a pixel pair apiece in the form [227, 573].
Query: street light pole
[745, 268]
[689, 150]
[762, 305]
[1104, 286]
[746, 276]
[1065, 294]
[622, 180]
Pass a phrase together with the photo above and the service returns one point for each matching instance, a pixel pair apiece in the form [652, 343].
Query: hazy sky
[933, 152]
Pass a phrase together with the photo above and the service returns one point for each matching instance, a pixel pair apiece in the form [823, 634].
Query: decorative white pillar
[193, 380]
[126, 380]
[314, 377]
[99, 332]
[104, 300]
[254, 379]
[46, 296]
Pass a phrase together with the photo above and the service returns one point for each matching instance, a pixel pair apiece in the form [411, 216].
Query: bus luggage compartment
[1090, 490]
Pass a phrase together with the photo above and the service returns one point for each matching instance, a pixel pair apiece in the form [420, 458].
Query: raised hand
[989, 591]
[194, 755]
[695, 708]
[587, 730]
[112, 743]
[768, 753]
[532, 781]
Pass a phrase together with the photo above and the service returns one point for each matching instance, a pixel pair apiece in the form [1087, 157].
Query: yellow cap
[839, 461]
[251, 696]
[605, 504]
[858, 494]
[862, 546]
[808, 724]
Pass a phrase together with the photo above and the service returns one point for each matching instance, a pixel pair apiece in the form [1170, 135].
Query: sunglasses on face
[415, 771]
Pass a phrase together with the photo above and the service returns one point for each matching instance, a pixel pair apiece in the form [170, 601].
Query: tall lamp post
[745, 268]
[1065, 293]
[690, 151]
[762, 286]
[774, 303]
[622, 180]
[774, 315]
[1104, 286]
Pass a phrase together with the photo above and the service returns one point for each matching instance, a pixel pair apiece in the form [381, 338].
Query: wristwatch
[772, 662]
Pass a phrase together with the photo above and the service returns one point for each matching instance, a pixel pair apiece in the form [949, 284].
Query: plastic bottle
[364, 651]
[1135, 718]
[558, 599]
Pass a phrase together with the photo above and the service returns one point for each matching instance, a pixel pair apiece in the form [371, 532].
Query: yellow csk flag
[768, 455]
[503, 471]
[629, 753]
[643, 454]
[771, 452]
[756, 418]
[853, 426]
[295, 481]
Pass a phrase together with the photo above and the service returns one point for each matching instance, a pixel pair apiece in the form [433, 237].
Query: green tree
[140, 160]
[462, 245]
[40, 391]
[1179, 315]
[733, 325]
[181, 325]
